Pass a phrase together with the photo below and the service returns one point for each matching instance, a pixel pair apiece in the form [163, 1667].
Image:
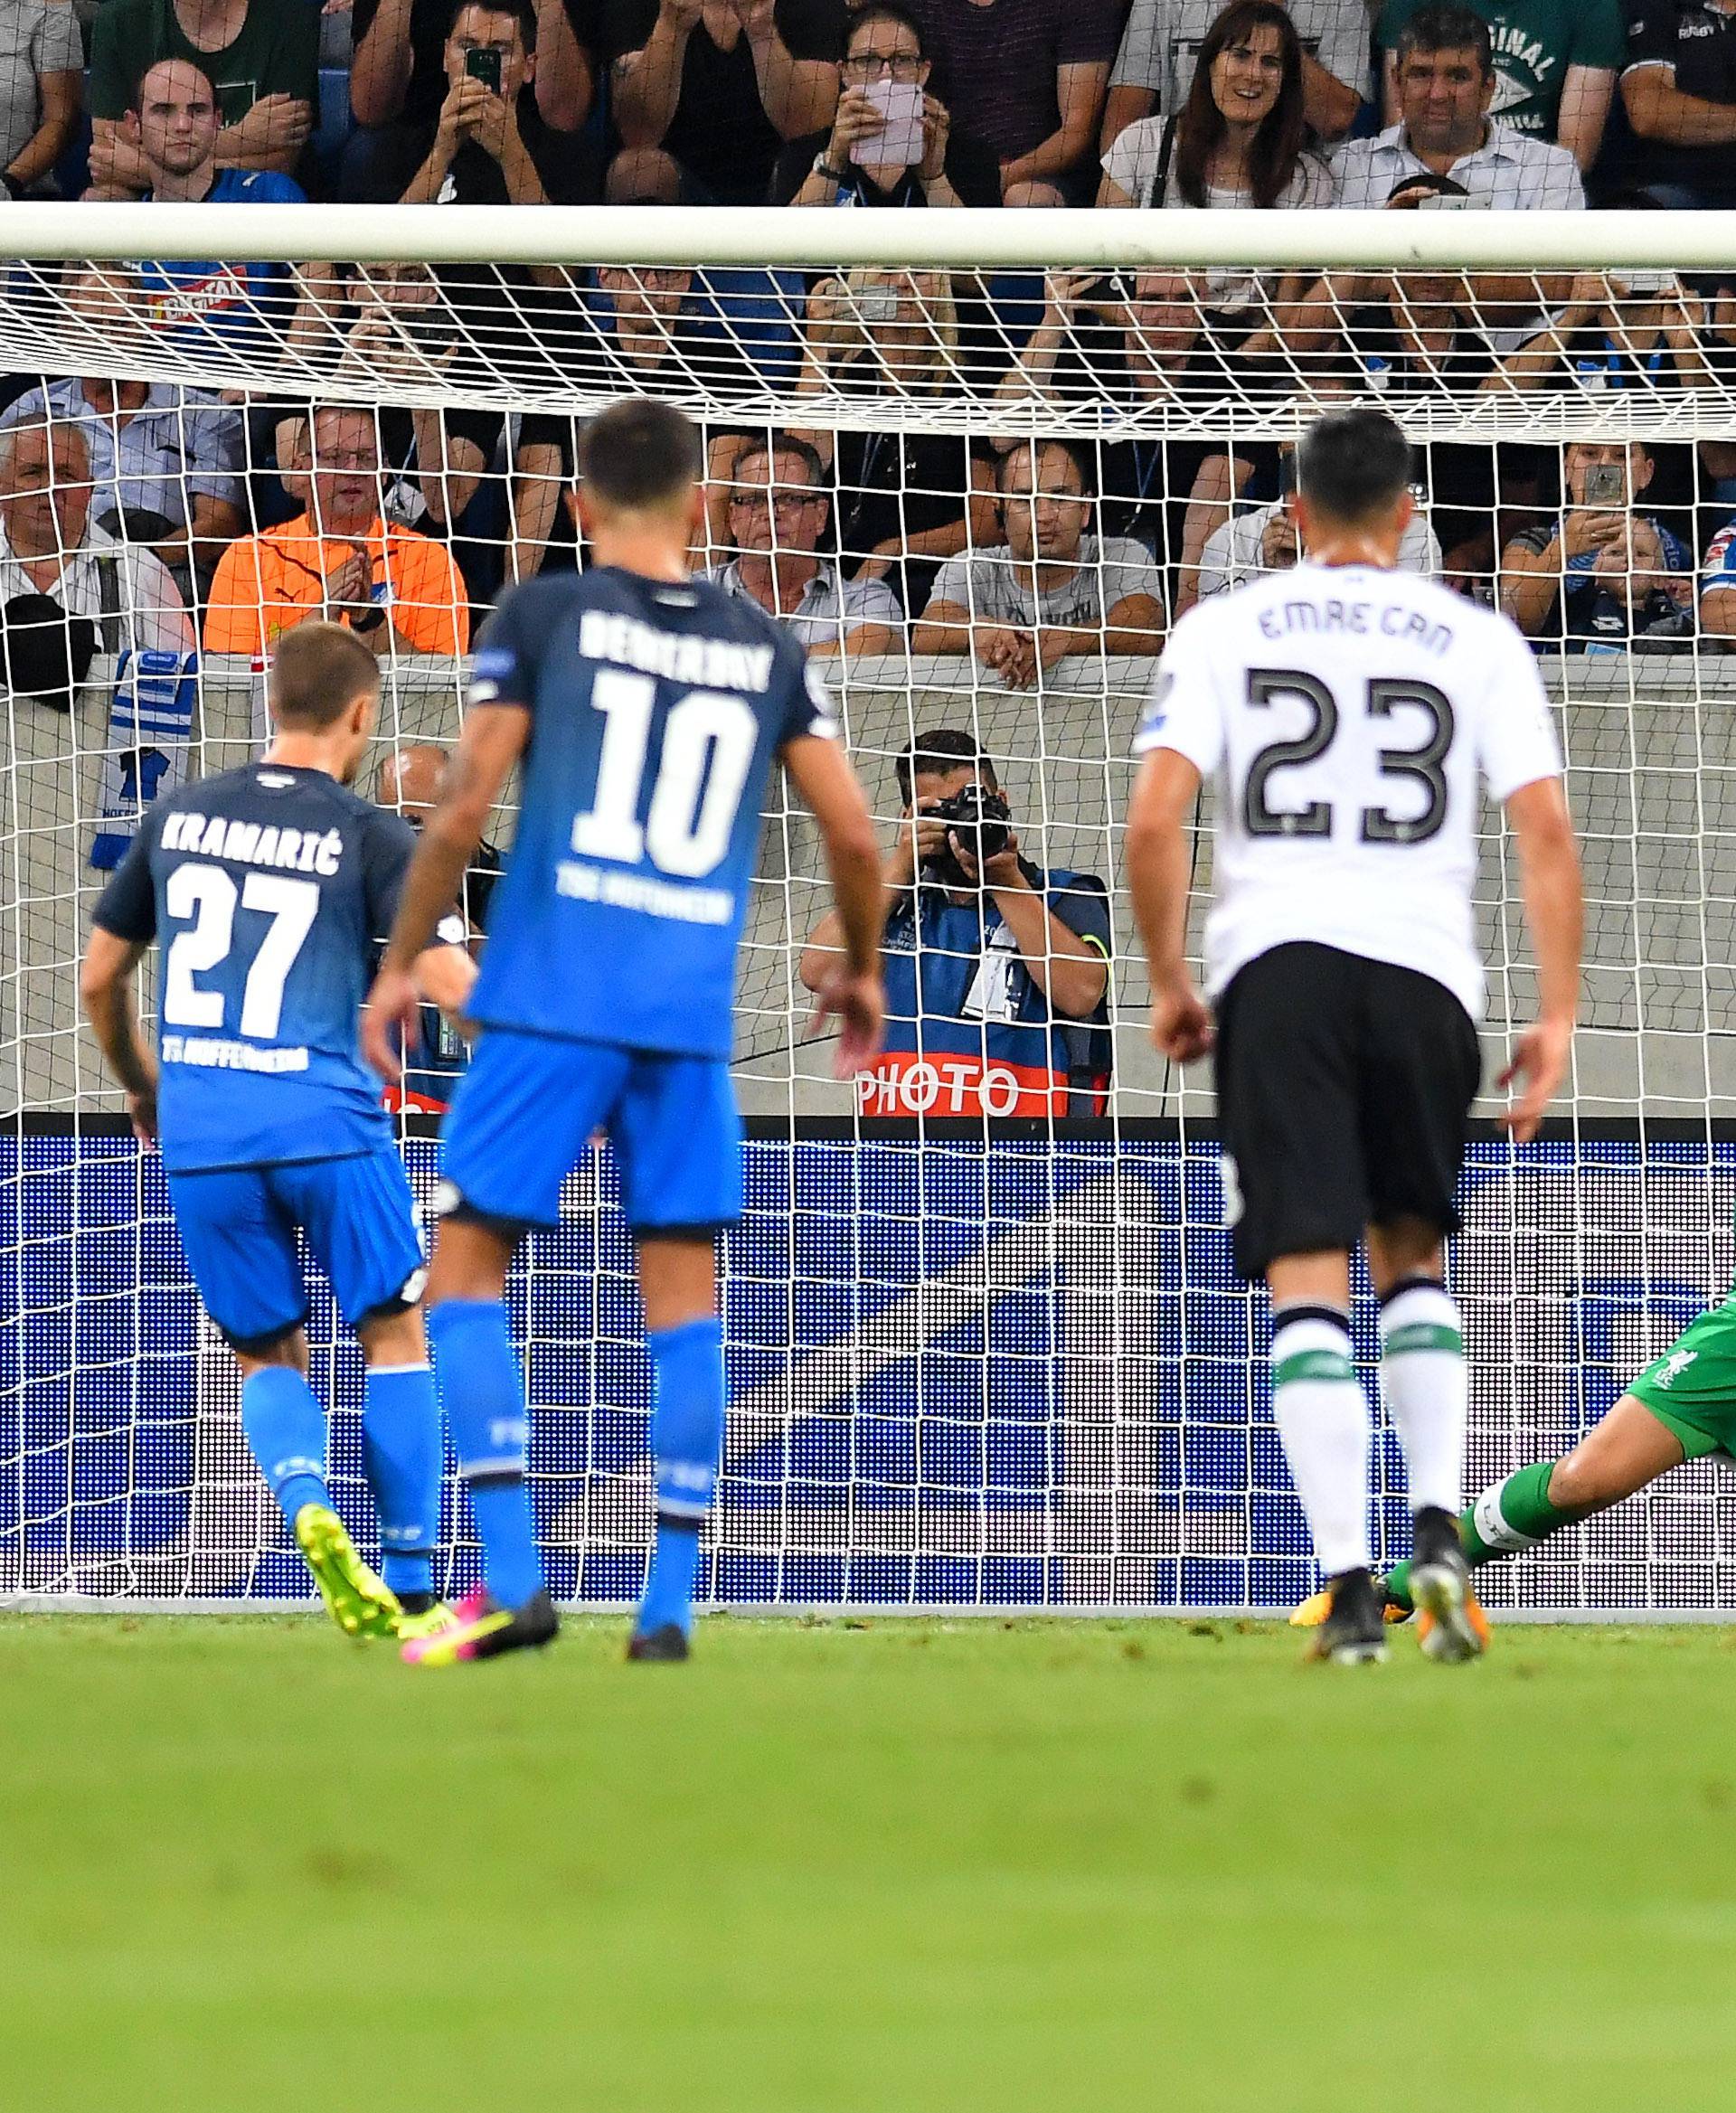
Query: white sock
[1322, 1417]
[1424, 1388]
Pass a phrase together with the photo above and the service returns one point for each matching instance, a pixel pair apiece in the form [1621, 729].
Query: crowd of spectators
[244, 511]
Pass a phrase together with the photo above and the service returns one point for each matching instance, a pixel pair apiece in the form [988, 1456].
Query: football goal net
[985, 1345]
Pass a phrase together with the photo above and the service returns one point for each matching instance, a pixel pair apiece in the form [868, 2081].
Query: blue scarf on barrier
[150, 735]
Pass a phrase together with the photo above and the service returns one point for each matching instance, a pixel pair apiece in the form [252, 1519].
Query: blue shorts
[524, 1112]
[239, 1227]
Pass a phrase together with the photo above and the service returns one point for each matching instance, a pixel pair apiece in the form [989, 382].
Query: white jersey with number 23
[1347, 715]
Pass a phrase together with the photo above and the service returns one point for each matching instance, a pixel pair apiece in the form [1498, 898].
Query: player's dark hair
[318, 671]
[1353, 466]
[1447, 28]
[521, 11]
[639, 454]
[945, 748]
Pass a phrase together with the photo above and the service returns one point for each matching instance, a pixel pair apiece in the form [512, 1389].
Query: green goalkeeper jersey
[1692, 1388]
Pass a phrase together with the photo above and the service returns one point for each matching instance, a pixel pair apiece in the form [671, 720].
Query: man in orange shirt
[399, 591]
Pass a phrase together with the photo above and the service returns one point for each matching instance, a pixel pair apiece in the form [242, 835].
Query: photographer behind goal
[996, 971]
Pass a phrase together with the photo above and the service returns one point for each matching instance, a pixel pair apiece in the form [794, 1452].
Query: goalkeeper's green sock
[1507, 1518]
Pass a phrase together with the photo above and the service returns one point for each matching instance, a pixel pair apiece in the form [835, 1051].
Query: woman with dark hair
[1239, 138]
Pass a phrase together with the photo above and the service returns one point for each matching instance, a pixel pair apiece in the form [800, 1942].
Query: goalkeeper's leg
[1682, 1407]
[1629, 1448]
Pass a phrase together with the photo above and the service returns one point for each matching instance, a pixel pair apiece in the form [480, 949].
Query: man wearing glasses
[778, 511]
[399, 591]
[891, 141]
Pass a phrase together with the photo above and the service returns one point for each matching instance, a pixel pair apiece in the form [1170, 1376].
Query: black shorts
[1344, 1090]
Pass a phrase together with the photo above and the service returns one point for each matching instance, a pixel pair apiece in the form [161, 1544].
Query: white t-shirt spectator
[995, 588]
[1136, 164]
[1135, 161]
[1160, 46]
[36, 37]
[1233, 553]
[831, 607]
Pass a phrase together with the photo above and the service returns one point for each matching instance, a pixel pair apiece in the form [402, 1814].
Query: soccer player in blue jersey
[648, 710]
[268, 888]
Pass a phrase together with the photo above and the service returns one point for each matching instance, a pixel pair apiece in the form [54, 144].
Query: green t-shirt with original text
[1535, 41]
[275, 53]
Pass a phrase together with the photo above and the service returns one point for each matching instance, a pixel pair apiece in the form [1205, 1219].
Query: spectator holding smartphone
[1618, 330]
[1604, 574]
[398, 70]
[1446, 87]
[892, 141]
[489, 145]
[1268, 539]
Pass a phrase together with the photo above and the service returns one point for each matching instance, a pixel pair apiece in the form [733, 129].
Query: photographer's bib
[968, 1031]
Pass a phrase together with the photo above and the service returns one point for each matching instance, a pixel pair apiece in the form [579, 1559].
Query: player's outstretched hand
[858, 1004]
[1181, 1022]
[1538, 1067]
[388, 1023]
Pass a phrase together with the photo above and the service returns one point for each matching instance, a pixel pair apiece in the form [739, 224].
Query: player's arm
[1158, 868]
[1554, 899]
[850, 991]
[446, 971]
[494, 738]
[106, 992]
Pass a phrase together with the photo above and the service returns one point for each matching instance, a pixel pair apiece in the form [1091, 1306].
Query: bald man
[408, 782]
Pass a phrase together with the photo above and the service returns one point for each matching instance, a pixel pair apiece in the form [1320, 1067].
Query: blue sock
[482, 1395]
[286, 1429]
[400, 1452]
[686, 1437]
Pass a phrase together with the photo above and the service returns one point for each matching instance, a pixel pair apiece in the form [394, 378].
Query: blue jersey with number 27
[658, 711]
[267, 887]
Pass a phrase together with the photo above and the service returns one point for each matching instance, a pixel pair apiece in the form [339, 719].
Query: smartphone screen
[484, 65]
[898, 145]
[1604, 485]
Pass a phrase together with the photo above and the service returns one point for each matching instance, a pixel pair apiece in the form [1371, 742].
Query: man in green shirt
[1555, 64]
[262, 57]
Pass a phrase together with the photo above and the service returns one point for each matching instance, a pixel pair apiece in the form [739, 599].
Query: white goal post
[975, 1361]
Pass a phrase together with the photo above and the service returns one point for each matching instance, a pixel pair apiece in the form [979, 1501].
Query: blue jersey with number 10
[656, 710]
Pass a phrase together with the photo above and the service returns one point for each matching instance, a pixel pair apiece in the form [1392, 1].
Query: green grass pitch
[889, 1867]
